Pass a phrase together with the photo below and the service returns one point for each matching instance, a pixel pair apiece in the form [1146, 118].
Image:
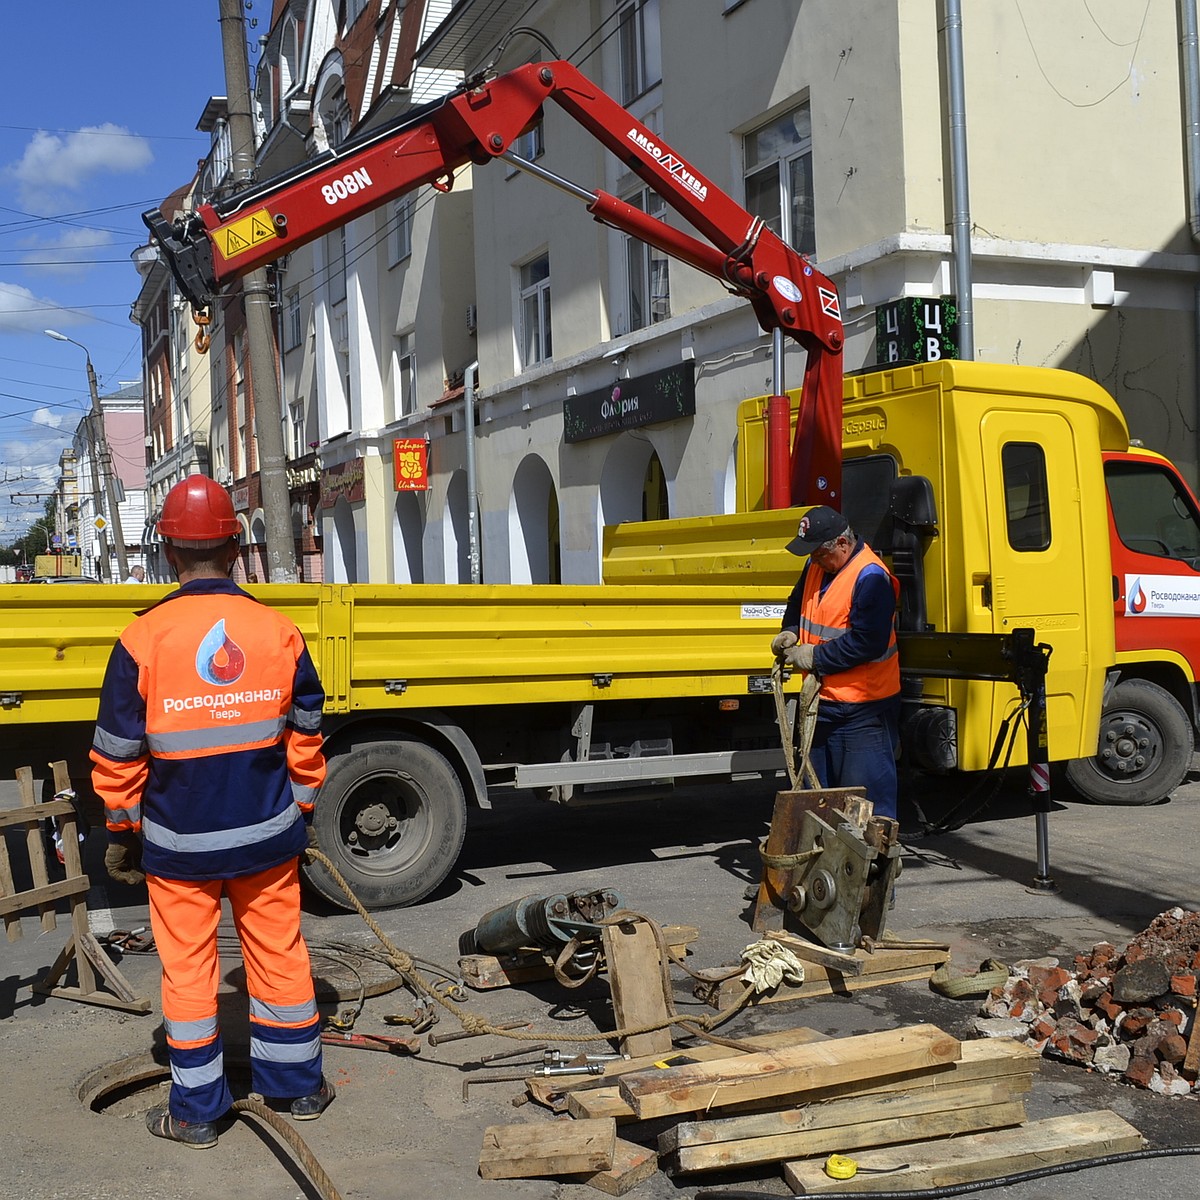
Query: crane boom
[226, 239]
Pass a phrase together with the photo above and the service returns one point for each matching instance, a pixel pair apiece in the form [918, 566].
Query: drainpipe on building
[960, 236]
[469, 377]
[1190, 57]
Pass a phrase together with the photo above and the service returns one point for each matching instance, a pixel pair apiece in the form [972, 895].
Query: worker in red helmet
[207, 756]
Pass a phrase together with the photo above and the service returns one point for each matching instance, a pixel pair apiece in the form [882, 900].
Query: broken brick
[1183, 985]
[1172, 1048]
[1140, 1071]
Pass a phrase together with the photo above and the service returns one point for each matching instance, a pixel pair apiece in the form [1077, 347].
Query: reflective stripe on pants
[285, 1046]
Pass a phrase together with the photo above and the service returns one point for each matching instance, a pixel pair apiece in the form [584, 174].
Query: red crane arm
[227, 239]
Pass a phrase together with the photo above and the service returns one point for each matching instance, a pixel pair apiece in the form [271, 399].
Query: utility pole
[99, 448]
[268, 423]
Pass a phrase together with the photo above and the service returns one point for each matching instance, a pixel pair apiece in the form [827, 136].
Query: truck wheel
[1146, 744]
[391, 816]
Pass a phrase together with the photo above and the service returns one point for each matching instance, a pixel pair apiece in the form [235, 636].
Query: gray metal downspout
[960, 236]
[469, 376]
[1191, 134]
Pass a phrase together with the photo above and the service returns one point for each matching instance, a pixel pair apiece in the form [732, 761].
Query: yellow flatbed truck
[1004, 498]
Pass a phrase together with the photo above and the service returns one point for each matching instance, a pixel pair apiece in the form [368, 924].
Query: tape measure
[840, 1166]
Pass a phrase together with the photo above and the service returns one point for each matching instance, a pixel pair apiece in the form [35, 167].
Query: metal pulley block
[842, 890]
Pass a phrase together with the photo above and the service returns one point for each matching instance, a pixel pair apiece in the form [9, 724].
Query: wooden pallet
[92, 964]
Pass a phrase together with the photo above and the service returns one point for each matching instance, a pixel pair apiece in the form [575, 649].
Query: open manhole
[132, 1085]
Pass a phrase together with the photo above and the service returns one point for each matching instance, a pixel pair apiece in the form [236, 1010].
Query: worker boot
[199, 1135]
[309, 1108]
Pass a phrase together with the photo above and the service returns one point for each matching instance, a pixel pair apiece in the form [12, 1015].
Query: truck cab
[1007, 497]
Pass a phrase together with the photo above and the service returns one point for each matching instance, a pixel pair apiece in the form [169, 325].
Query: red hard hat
[198, 513]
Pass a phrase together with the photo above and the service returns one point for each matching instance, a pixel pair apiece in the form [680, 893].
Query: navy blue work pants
[855, 746]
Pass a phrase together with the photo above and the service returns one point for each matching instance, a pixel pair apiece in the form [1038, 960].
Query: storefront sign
[343, 481]
[916, 330]
[662, 396]
[410, 463]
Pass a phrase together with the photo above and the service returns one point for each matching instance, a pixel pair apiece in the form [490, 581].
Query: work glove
[124, 863]
[784, 640]
[314, 842]
[800, 658]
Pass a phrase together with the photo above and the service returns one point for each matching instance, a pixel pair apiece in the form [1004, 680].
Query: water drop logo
[1135, 602]
[219, 659]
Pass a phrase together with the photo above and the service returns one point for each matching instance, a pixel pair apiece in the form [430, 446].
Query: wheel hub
[1127, 748]
[373, 821]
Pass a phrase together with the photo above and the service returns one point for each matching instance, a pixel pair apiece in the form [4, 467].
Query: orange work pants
[285, 1045]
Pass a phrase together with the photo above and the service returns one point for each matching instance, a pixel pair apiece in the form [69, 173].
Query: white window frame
[537, 341]
[647, 269]
[639, 42]
[777, 164]
[404, 377]
[400, 228]
[294, 325]
[296, 428]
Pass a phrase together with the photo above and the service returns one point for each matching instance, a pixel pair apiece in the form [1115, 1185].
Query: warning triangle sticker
[235, 244]
[260, 231]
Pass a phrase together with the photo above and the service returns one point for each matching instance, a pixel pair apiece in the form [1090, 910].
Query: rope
[405, 966]
[806, 716]
[253, 1107]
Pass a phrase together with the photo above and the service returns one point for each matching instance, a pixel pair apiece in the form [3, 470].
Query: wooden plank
[635, 978]
[542, 1090]
[632, 1164]
[47, 894]
[697, 1087]
[854, 1109]
[905, 1121]
[731, 991]
[12, 918]
[560, 1148]
[36, 846]
[975, 1156]
[810, 952]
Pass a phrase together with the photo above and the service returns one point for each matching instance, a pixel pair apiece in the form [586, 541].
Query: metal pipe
[469, 377]
[779, 431]
[960, 236]
[1190, 57]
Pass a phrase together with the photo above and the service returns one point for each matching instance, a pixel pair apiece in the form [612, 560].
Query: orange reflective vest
[208, 739]
[825, 616]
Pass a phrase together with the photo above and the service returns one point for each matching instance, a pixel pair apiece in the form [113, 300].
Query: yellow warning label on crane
[245, 234]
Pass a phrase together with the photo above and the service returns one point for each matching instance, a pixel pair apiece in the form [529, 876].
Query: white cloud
[55, 165]
[43, 416]
[21, 311]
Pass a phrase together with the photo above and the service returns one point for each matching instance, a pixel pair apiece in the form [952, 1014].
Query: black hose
[979, 1185]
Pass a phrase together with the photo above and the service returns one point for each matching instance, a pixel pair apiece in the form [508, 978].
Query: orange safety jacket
[208, 739]
[825, 616]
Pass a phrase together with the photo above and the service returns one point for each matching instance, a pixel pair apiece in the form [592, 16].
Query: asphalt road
[400, 1126]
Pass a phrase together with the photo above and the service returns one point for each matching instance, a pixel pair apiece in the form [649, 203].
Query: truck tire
[1144, 730]
[391, 816]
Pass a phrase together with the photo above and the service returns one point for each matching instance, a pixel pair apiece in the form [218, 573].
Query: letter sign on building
[916, 329]
[410, 461]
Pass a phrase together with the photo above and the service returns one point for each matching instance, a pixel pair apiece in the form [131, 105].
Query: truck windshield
[1153, 512]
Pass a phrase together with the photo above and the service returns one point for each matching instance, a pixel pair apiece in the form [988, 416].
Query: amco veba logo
[219, 659]
[1135, 602]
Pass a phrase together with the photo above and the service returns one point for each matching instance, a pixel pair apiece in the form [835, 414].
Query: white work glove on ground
[768, 964]
[784, 640]
[800, 657]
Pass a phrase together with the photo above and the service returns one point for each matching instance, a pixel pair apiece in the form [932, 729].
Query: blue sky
[98, 124]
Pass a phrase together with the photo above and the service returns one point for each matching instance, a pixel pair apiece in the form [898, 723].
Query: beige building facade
[833, 122]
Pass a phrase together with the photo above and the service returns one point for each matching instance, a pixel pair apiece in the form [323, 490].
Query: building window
[400, 229]
[337, 265]
[296, 430]
[293, 326]
[640, 40]
[648, 269]
[536, 342]
[779, 179]
[403, 378]
[354, 10]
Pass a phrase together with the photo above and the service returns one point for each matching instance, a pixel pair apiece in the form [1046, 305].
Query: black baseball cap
[818, 526]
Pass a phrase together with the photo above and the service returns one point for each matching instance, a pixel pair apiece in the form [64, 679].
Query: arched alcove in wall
[408, 536]
[342, 555]
[533, 529]
[456, 548]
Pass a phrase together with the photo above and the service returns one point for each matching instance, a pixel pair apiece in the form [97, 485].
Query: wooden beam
[560, 1148]
[790, 1072]
[635, 978]
[975, 1156]
[632, 1164]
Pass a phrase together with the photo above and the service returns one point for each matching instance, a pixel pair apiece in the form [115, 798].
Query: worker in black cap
[839, 624]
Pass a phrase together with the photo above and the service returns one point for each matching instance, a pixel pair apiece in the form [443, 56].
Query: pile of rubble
[1128, 1014]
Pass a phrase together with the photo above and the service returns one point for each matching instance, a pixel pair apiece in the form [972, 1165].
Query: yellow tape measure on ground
[840, 1166]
